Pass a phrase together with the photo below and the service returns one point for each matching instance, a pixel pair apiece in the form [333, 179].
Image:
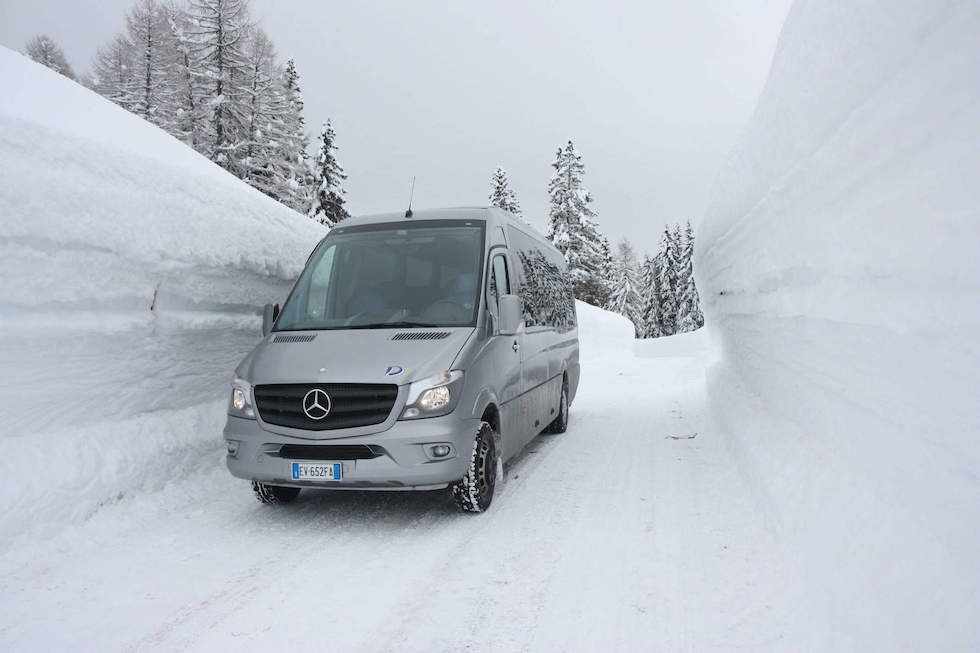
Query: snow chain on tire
[560, 423]
[466, 492]
[274, 495]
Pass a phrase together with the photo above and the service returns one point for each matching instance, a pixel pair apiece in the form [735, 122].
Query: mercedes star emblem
[316, 404]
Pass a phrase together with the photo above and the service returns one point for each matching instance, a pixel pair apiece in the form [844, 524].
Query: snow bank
[839, 266]
[601, 331]
[132, 274]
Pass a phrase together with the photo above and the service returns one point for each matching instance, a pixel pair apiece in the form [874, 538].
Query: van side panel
[493, 366]
[550, 336]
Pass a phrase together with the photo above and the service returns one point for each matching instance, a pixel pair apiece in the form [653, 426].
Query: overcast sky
[654, 93]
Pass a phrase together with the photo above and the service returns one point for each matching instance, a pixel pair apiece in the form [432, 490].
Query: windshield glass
[424, 273]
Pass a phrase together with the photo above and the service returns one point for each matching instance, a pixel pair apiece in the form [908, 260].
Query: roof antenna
[411, 197]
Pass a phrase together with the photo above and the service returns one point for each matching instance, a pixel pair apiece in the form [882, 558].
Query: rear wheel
[560, 423]
[274, 494]
[474, 492]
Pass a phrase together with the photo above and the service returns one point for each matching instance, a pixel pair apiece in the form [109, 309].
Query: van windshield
[424, 273]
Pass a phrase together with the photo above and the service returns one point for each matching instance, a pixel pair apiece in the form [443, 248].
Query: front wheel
[274, 494]
[474, 492]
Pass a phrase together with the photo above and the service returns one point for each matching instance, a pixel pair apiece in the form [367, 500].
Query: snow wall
[132, 275]
[839, 265]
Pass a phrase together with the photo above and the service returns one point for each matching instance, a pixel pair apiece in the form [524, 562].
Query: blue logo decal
[394, 370]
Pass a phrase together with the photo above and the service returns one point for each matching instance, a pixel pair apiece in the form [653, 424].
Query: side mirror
[270, 313]
[511, 314]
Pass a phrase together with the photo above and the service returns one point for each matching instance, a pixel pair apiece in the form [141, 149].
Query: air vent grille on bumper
[329, 451]
[350, 404]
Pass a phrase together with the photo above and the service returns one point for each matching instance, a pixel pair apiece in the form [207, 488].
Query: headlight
[240, 404]
[433, 396]
[434, 399]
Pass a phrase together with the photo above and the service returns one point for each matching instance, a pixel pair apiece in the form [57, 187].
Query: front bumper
[404, 464]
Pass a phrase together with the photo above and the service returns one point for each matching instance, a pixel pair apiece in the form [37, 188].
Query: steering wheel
[455, 309]
[353, 318]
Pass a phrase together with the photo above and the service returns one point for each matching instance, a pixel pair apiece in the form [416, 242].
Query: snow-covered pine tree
[573, 230]
[263, 117]
[502, 195]
[46, 51]
[650, 298]
[218, 37]
[668, 284]
[599, 287]
[624, 295]
[328, 197]
[681, 275]
[295, 162]
[148, 33]
[690, 317]
[112, 72]
[185, 77]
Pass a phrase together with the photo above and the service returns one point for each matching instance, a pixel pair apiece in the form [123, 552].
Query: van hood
[353, 356]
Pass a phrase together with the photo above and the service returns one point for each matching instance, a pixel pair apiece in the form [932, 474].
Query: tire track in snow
[606, 536]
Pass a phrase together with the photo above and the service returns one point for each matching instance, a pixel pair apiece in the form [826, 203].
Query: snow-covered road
[613, 534]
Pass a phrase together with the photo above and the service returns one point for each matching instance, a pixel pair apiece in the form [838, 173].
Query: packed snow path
[613, 533]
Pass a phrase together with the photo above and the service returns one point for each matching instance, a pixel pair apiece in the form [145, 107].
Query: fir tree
[650, 298]
[668, 284]
[262, 117]
[185, 78]
[599, 286]
[112, 70]
[211, 78]
[151, 93]
[573, 230]
[46, 51]
[502, 195]
[218, 36]
[294, 160]
[328, 199]
[624, 295]
[688, 300]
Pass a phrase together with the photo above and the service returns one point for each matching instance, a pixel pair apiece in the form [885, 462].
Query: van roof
[450, 213]
[486, 213]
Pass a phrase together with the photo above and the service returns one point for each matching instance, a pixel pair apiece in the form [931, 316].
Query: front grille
[329, 451]
[420, 335]
[351, 404]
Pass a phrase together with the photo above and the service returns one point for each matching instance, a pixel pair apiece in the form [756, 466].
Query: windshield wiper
[392, 325]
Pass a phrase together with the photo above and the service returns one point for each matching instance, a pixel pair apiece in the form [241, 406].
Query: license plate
[317, 471]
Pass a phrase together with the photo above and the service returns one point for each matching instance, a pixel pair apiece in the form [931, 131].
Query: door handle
[515, 346]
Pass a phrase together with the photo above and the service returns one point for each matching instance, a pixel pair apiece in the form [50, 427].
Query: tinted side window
[499, 282]
[544, 284]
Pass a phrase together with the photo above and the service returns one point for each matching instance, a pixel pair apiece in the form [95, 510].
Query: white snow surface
[839, 268]
[585, 547]
[101, 217]
[818, 490]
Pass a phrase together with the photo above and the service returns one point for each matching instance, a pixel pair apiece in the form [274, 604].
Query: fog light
[232, 447]
[440, 450]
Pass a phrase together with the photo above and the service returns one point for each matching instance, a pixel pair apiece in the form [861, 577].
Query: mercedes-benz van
[415, 352]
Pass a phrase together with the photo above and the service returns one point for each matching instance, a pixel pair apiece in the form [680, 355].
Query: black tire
[274, 495]
[474, 492]
[560, 423]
